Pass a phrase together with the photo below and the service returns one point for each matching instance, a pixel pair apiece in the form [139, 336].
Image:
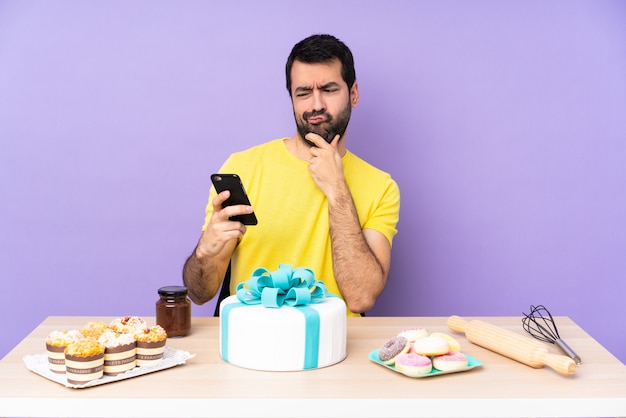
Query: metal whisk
[540, 324]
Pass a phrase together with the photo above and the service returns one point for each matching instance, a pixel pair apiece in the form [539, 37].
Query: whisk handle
[566, 348]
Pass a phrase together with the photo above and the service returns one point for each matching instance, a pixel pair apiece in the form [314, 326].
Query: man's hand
[325, 164]
[221, 230]
[205, 267]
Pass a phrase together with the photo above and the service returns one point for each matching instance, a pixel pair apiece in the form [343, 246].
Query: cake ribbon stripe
[284, 286]
[312, 338]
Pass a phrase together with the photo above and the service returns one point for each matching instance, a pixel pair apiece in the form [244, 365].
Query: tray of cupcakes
[414, 352]
[101, 353]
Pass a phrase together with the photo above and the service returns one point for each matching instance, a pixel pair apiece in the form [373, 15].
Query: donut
[412, 364]
[431, 346]
[413, 334]
[454, 344]
[454, 360]
[392, 349]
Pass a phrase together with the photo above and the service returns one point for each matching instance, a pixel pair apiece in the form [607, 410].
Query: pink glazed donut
[413, 365]
[392, 349]
[454, 360]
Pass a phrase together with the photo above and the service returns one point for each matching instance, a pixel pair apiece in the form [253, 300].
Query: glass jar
[173, 311]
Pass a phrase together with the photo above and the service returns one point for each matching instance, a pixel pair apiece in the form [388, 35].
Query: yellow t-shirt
[292, 212]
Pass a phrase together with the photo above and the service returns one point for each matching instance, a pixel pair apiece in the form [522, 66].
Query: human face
[322, 103]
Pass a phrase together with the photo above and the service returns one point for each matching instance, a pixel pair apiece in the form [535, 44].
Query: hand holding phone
[238, 195]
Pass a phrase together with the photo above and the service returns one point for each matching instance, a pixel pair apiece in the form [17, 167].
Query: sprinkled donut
[453, 360]
[392, 349]
[412, 364]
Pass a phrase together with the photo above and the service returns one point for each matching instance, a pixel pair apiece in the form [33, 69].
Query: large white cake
[285, 338]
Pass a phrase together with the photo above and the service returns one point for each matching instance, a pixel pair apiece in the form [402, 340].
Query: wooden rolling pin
[511, 345]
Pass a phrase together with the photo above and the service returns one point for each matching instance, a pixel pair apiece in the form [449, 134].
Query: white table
[207, 386]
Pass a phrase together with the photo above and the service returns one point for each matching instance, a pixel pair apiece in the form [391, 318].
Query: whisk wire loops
[540, 324]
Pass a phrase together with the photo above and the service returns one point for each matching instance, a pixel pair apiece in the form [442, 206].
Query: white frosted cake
[283, 339]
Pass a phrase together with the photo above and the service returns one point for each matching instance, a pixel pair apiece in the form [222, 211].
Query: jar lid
[173, 291]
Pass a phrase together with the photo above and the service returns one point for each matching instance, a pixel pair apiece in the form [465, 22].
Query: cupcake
[150, 344]
[94, 329]
[119, 352]
[56, 342]
[129, 324]
[84, 361]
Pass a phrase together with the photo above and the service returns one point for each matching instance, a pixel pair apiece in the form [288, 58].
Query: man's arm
[202, 275]
[204, 269]
[361, 258]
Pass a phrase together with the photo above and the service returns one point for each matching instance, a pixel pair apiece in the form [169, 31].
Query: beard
[327, 130]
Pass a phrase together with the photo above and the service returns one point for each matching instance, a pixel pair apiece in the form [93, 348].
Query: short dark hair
[322, 49]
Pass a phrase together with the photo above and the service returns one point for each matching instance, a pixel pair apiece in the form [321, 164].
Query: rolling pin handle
[562, 364]
[456, 323]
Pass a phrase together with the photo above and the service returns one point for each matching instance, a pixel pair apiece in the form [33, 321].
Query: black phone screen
[238, 195]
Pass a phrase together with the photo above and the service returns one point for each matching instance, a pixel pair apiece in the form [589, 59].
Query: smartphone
[238, 195]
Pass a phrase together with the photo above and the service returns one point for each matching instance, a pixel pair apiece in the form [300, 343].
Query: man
[318, 205]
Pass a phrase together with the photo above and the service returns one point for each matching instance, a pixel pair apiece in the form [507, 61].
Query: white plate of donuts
[415, 352]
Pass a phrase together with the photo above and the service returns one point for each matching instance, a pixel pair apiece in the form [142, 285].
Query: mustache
[307, 115]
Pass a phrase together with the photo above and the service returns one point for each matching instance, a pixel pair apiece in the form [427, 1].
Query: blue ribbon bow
[284, 286]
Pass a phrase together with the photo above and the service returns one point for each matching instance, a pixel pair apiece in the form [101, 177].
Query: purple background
[503, 123]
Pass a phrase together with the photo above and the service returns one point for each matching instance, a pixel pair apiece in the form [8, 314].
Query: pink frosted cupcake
[150, 344]
[119, 352]
[56, 342]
